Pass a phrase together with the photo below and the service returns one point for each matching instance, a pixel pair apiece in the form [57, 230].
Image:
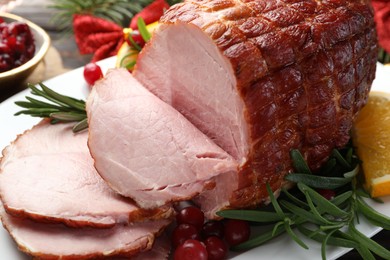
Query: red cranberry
[212, 228]
[327, 193]
[92, 73]
[184, 232]
[236, 231]
[16, 45]
[191, 215]
[137, 38]
[216, 248]
[191, 250]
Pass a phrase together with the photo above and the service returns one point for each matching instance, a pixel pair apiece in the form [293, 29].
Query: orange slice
[371, 137]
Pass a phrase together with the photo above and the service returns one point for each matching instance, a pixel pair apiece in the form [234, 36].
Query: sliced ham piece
[144, 148]
[160, 251]
[262, 77]
[56, 241]
[47, 174]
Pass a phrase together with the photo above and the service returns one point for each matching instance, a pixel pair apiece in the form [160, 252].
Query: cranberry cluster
[195, 239]
[16, 44]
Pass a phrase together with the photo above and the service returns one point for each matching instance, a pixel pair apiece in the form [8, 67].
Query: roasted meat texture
[56, 241]
[262, 77]
[160, 251]
[144, 148]
[47, 174]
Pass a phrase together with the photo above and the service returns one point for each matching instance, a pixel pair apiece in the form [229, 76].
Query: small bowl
[42, 43]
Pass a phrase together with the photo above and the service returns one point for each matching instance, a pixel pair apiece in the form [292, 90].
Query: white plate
[72, 84]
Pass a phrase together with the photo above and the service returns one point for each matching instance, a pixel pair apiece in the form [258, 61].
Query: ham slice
[56, 241]
[160, 251]
[47, 174]
[144, 148]
[262, 77]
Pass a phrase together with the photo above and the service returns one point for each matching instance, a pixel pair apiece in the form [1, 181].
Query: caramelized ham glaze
[262, 77]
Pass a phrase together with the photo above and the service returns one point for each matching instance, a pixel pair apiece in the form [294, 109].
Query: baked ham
[47, 174]
[56, 241]
[262, 77]
[160, 251]
[144, 148]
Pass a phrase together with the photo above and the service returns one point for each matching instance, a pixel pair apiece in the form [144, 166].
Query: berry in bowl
[23, 45]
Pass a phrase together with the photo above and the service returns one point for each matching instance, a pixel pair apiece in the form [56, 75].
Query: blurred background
[42, 12]
[55, 16]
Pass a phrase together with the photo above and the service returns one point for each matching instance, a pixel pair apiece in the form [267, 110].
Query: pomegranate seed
[191, 250]
[92, 73]
[11, 42]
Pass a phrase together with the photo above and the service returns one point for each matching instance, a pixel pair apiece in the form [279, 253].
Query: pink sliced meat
[160, 250]
[144, 148]
[47, 174]
[56, 241]
[263, 77]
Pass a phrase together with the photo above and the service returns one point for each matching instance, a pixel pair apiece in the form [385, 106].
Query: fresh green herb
[383, 56]
[330, 222]
[299, 162]
[57, 107]
[135, 48]
[143, 30]
[128, 61]
[124, 63]
[118, 11]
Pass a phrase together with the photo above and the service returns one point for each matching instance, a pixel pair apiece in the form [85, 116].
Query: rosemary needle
[57, 107]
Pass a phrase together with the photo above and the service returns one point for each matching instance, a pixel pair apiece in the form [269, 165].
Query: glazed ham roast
[262, 77]
[47, 174]
[144, 148]
[258, 78]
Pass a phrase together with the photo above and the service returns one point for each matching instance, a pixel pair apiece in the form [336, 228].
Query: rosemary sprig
[57, 107]
[329, 222]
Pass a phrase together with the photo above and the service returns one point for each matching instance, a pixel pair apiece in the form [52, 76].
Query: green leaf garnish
[60, 108]
[299, 162]
[143, 30]
[329, 222]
